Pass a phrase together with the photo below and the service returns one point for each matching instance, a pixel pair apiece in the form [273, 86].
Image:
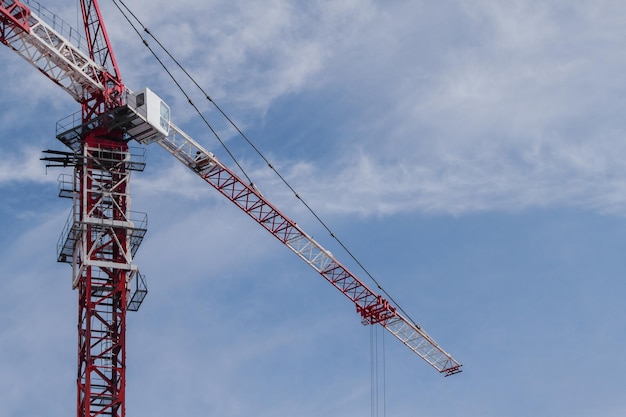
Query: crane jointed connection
[102, 234]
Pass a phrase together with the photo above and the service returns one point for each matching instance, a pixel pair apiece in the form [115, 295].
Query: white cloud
[448, 107]
[516, 116]
[497, 125]
[23, 167]
[38, 333]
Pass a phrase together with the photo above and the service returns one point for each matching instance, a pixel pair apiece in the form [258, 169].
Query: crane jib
[144, 118]
[86, 69]
[373, 308]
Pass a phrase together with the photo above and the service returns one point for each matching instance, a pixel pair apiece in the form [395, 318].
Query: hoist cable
[373, 369]
[384, 376]
[247, 139]
[378, 373]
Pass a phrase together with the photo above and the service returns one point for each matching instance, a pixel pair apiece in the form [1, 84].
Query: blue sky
[468, 153]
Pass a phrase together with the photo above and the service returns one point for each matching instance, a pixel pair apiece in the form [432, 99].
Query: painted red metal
[106, 262]
[103, 268]
[101, 52]
[98, 243]
[373, 308]
[13, 19]
[99, 248]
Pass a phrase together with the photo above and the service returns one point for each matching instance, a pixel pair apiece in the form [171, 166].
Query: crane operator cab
[153, 122]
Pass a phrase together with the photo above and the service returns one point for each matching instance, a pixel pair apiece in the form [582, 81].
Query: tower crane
[102, 234]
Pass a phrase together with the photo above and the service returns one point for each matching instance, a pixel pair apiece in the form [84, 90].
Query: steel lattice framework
[98, 240]
[373, 308]
[102, 264]
[102, 234]
[51, 48]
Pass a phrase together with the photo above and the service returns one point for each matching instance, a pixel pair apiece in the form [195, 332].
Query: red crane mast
[100, 51]
[100, 237]
[102, 234]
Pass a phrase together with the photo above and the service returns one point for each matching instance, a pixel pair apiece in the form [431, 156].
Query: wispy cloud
[38, 311]
[507, 112]
[23, 166]
[396, 109]
[512, 117]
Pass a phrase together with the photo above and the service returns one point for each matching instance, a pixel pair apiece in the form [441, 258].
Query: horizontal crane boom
[373, 308]
[47, 48]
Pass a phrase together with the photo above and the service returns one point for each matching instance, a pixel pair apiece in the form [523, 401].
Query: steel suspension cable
[182, 90]
[247, 139]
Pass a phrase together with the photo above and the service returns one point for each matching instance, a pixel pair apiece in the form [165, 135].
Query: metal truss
[373, 308]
